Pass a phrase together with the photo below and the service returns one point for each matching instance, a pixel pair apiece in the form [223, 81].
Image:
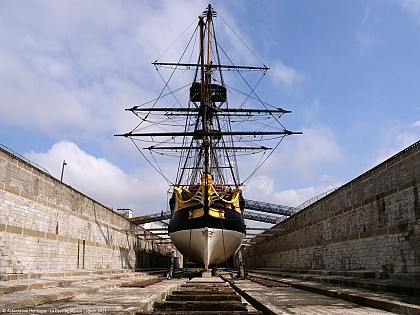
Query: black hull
[233, 221]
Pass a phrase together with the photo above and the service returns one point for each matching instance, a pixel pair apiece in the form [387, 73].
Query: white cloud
[31, 100]
[63, 69]
[144, 191]
[304, 155]
[259, 188]
[396, 138]
[412, 7]
[263, 188]
[310, 113]
[285, 75]
[296, 197]
[300, 159]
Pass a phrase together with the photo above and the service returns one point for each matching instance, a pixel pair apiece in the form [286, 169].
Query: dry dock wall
[47, 225]
[373, 222]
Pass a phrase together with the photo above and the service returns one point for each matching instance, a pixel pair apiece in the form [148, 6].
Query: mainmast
[207, 134]
[205, 102]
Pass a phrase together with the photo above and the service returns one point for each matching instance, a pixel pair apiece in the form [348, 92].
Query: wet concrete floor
[276, 300]
[288, 300]
[93, 293]
[120, 300]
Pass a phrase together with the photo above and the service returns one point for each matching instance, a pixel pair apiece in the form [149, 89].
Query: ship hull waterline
[207, 224]
[208, 246]
[207, 238]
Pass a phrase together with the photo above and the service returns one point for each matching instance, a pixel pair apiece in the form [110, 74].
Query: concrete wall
[373, 222]
[45, 224]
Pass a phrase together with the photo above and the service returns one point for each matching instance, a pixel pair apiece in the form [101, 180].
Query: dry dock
[128, 292]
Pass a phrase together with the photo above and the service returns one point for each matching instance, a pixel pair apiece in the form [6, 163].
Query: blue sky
[348, 71]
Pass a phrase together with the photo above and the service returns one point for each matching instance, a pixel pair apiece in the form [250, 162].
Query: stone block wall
[373, 222]
[47, 225]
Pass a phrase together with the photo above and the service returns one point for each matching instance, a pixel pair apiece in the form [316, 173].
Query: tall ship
[210, 138]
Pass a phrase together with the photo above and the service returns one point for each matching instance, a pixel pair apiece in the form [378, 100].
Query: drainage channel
[204, 296]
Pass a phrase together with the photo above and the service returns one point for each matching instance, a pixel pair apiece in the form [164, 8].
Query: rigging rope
[222, 158]
[151, 164]
[233, 31]
[170, 77]
[178, 39]
[263, 162]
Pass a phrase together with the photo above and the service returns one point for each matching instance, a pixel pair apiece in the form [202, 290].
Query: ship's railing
[283, 211]
[307, 203]
[268, 207]
[165, 215]
[266, 218]
[316, 198]
[18, 156]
